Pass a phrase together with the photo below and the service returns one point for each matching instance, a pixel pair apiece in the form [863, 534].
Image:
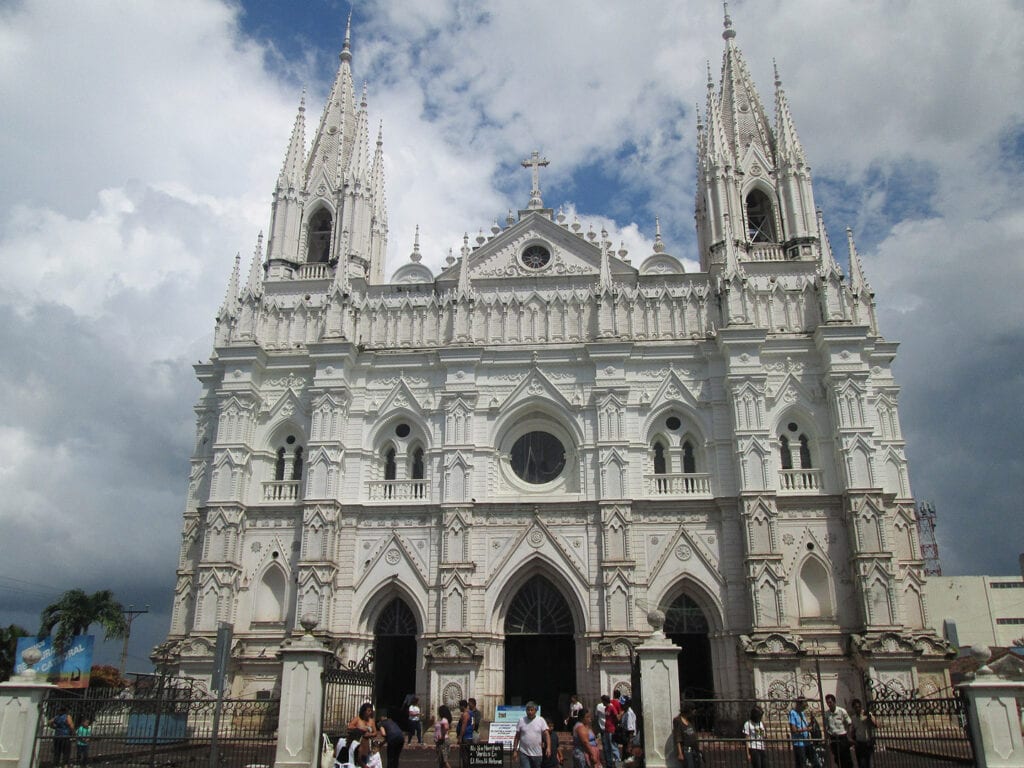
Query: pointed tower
[329, 205]
[755, 175]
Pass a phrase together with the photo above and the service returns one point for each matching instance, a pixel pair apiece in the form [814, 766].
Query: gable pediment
[571, 254]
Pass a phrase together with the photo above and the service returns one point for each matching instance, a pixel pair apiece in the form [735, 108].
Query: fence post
[298, 725]
[659, 695]
[20, 700]
[994, 719]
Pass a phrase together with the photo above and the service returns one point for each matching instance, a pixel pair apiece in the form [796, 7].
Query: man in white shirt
[532, 742]
[837, 730]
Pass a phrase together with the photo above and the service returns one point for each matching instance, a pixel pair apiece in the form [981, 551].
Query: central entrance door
[540, 652]
[687, 626]
[394, 650]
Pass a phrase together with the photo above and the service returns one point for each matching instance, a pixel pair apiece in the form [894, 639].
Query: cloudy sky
[141, 142]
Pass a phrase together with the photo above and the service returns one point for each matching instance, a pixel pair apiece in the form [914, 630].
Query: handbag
[326, 753]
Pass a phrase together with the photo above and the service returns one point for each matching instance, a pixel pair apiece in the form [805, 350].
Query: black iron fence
[911, 733]
[346, 686]
[167, 727]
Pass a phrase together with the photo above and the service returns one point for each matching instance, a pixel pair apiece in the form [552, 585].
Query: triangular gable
[800, 550]
[570, 253]
[537, 539]
[400, 398]
[407, 554]
[674, 390]
[754, 156]
[613, 456]
[286, 406]
[697, 548]
[266, 558]
[535, 385]
[790, 390]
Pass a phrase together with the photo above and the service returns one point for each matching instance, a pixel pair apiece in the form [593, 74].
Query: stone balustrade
[398, 490]
[278, 491]
[799, 480]
[679, 484]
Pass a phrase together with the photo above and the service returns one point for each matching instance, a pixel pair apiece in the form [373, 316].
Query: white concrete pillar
[20, 699]
[298, 724]
[659, 698]
[994, 720]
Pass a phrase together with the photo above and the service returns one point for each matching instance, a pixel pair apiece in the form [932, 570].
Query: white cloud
[142, 141]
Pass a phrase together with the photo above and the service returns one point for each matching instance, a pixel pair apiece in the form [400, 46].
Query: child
[82, 742]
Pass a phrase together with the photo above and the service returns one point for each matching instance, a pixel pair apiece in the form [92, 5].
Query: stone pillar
[659, 674]
[20, 699]
[994, 720]
[302, 692]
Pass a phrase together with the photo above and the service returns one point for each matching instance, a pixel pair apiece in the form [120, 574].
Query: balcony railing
[398, 490]
[766, 252]
[315, 271]
[281, 490]
[682, 484]
[799, 480]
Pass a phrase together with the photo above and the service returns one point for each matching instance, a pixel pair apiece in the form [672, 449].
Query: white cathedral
[488, 474]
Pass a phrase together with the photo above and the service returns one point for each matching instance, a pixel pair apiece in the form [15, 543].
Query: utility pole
[130, 614]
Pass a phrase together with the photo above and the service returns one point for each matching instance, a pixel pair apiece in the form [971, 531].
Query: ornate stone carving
[771, 644]
[451, 650]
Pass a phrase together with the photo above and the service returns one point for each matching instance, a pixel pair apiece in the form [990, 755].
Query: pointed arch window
[689, 461]
[805, 453]
[815, 594]
[785, 455]
[318, 248]
[279, 465]
[390, 466]
[297, 464]
[417, 464]
[684, 616]
[760, 218]
[539, 609]
[660, 463]
[396, 620]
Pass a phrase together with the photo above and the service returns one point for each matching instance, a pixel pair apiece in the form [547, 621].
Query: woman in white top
[415, 726]
[753, 730]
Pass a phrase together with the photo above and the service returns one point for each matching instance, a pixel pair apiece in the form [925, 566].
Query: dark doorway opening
[540, 650]
[687, 627]
[394, 646]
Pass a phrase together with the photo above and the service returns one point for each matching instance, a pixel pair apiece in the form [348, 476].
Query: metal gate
[346, 687]
[165, 721]
[918, 730]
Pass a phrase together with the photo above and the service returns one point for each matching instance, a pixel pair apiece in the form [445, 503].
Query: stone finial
[416, 256]
[656, 619]
[346, 47]
[308, 623]
[659, 244]
[982, 654]
[729, 33]
[31, 657]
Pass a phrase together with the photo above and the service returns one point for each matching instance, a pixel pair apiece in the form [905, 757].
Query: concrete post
[298, 724]
[659, 674]
[20, 698]
[994, 719]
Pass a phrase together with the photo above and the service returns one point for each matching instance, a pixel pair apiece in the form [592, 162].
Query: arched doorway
[687, 626]
[540, 651]
[394, 652]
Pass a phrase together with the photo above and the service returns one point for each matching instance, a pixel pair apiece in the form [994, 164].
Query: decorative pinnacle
[775, 66]
[302, 100]
[450, 259]
[346, 49]
[659, 245]
[380, 133]
[362, 101]
[711, 83]
[729, 32]
[415, 256]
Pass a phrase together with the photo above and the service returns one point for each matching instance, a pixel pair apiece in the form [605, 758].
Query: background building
[484, 474]
[977, 610]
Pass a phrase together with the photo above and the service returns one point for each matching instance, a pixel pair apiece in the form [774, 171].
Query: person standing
[394, 738]
[63, 726]
[600, 714]
[684, 736]
[628, 726]
[585, 752]
[464, 732]
[478, 718]
[575, 707]
[862, 733]
[361, 729]
[800, 733]
[612, 723]
[754, 732]
[82, 742]
[441, 728]
[554, 758]
[415, 725]
[837, 731]
[531, 742]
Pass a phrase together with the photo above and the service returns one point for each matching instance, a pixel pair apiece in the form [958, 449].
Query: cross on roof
[535, 162]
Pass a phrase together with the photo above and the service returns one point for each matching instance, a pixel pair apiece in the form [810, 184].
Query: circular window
[538, 457]
[290, 440]
[402, 430]
[792, 427]
[673, 422]
[536, 257]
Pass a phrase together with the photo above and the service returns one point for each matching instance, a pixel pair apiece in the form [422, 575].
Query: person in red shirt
[613, 721]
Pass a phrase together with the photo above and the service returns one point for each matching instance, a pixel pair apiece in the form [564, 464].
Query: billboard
[71, 670]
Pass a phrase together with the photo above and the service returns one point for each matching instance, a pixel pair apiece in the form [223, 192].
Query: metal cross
[535, 162]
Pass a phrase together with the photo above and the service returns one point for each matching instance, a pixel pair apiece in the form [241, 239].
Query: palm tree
[8, 648]
[74, 611]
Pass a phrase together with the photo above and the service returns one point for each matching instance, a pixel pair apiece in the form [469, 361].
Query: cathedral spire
[788, 148]
[606, 267]
[863, 296]
[295, 155]
[346, 47]
[229, 307]
[254, 285]
[463, 291]
[828, 259]
[858, 282]
[332, 145]
[745, 121]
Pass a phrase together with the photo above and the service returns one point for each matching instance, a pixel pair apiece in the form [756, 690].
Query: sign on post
[486, 755]
[68, 670]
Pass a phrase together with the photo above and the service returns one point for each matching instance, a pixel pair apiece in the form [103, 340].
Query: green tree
[75, 611]
[8, 648]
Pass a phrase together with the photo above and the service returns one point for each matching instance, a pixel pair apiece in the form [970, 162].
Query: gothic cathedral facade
[490, 474]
